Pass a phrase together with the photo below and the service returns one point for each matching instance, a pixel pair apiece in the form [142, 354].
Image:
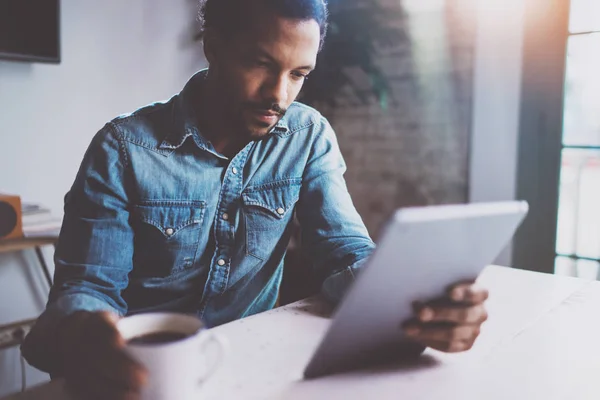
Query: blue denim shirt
[158, 220]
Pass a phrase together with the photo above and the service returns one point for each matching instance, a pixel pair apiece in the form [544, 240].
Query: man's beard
[266, 107]
[264, 129]
[276, 108]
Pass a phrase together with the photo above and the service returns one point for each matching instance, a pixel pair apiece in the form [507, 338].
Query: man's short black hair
[227, 17]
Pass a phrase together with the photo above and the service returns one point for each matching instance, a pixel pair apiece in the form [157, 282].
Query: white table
[542, 341]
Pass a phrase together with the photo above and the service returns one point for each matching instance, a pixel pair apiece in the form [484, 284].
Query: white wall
[497, 103]
[116, 56]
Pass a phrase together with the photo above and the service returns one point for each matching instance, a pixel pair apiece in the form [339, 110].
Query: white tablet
[421, 253]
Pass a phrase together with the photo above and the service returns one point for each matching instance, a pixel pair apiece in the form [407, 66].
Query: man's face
[261, 71]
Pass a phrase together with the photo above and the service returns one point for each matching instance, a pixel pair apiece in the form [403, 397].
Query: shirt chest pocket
[167, 236]
[268, 210]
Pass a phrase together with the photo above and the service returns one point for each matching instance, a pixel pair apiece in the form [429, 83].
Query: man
[186, 205]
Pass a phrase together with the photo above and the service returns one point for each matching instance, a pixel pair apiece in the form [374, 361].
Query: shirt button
[234, 170]
[225, 216]
[280, 211]
[169, 231]
[221, 262]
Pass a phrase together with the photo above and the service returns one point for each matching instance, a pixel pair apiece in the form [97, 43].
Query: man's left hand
[451, 324]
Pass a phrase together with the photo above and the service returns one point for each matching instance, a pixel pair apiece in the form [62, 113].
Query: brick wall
[415, 152]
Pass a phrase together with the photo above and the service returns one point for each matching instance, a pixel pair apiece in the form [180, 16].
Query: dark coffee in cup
[157, 338]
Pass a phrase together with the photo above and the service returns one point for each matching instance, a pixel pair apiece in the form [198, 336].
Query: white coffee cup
[176, 369]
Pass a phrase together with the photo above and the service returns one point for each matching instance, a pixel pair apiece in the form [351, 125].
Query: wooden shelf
[25, 243]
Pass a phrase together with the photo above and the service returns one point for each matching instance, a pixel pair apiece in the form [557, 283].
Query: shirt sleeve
[95, 249]
[333, 233]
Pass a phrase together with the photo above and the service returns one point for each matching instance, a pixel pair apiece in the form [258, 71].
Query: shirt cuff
[335, 287]
[41, 341]
[68, 304]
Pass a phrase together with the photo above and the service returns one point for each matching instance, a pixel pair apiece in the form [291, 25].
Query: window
[578, 225]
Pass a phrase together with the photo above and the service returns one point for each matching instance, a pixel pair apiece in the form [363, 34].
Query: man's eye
[299, 76]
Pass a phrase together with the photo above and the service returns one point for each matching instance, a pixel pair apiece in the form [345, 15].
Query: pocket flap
[170, 217]
[278, 198]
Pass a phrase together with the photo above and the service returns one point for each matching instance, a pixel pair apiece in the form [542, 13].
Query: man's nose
[275, 91]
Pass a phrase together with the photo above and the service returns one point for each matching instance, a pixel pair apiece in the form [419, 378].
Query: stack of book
[39, 221]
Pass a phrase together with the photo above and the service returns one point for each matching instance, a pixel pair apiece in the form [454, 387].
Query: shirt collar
[185, 123]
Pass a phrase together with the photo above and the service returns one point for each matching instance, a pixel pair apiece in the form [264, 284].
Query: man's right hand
[92, 358]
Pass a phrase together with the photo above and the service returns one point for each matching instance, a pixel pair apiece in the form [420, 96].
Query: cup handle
[222, 346]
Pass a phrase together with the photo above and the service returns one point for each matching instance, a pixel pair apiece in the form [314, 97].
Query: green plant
[359, 30]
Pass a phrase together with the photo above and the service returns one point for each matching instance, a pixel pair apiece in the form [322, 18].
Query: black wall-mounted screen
[30, 30]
